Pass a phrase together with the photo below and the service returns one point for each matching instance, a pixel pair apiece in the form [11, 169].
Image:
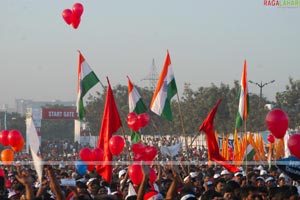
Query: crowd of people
[186, 176]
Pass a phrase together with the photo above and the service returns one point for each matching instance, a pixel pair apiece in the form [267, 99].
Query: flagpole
[193, 140]
[245, 131]
[182, 125]
[127, 149]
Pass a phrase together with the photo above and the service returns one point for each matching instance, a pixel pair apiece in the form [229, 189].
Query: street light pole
[261, 85]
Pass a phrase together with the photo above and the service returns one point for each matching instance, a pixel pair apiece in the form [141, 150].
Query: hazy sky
[207, 41]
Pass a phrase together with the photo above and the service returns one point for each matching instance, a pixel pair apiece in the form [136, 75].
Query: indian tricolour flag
[135, 101]
[249, 153]
[243, 100]
[165, 90]
[86, 80]
[136, 105]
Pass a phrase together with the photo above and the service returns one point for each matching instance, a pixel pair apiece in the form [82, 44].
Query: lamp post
[261, 85]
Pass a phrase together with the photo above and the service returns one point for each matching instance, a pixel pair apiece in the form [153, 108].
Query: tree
[289, 101]
[195, 105]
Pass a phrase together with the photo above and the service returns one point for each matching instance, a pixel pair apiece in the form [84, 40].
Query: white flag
[286, 139]
[34, 143]
[170, 150]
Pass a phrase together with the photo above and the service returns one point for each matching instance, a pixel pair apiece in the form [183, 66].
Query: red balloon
[139, 157]
[150, 152]
[135, 173]
[143, 119]
[90, 167]
[7, 156]
[277, 122]
[152, 175]
[97, 154]
[85, 154]
[133, 121]
[138, 147]
[293, 145]
[19, 147]
[4, 137]
[75, 21]
[67, 16]
[78, 9]
[116, 145]
[271, 138]
[15, 138]
[2, 172]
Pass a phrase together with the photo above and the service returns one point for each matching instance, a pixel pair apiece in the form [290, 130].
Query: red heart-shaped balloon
[133, 122]
[67, 16]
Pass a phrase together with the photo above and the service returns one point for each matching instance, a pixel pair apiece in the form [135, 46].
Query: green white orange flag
[86, 80]
[249, 153]
[136, 105]
[165, 90]
[243, 100]
[135, 101]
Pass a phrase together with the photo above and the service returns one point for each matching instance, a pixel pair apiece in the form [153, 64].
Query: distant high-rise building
[23, 104]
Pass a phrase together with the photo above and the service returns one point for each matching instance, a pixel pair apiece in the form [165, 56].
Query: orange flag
[111, 122]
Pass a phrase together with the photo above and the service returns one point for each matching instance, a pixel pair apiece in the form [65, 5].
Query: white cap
[263, 172]
[260, 167]
[282, 175]
[260, 178]
[224, 172]
[270, 179]
[90, 180]
[208, 183]
[216, 176]
[122, 172]
[238, 173]
[193, 174]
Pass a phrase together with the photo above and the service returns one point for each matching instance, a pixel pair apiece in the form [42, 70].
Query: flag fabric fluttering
[286, 139]
[212, 145]
[249, 153]
[171, 150]
[34, 144]
[166, 88]
[136, 105]
[111, 122]
[237, 146]
[243, 99]
[86, 80]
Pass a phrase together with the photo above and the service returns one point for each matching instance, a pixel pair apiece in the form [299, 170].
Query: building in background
[22, 105]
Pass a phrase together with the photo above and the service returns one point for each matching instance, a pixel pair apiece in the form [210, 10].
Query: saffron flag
[136, 105]
[86, 80]
[243, 99]
[237, 146]
[111, 122]
[212, 145]
[34, 144]
[165, 90]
